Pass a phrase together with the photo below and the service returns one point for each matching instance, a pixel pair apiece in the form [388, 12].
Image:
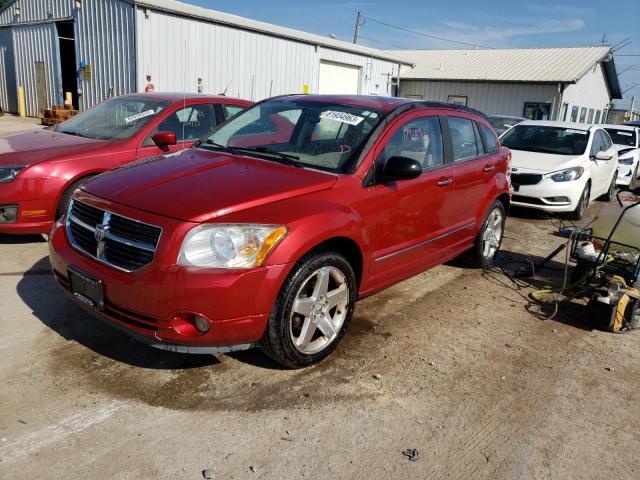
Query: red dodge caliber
[268, 231]
[39, 170]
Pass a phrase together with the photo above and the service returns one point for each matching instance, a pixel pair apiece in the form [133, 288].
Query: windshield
[114, 119]
[500, 124]
[299, 131]
[622, 137]
[546, 139]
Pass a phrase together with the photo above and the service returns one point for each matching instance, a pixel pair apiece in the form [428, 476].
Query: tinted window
[229, 111]
[420, 139]
[490, 139]
[622, 137]
[546, 139]
[478, 140]
[598, 143]
[463, 138]
[190, 123]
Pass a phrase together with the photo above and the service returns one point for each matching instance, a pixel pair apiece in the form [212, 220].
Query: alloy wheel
[492, 233]
[319, 310]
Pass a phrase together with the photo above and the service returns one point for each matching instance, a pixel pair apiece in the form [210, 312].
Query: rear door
[474, 167]
[412, 214]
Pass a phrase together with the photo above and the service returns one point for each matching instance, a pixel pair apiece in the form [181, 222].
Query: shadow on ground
[20, 239]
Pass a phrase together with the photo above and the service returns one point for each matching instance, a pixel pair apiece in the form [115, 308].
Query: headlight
[626, 161]
[229, 246]
[8, 174]
[567, 175]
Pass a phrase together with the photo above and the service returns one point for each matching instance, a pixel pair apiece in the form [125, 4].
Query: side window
[478, 139]
[420, 139]
[463, 138]
[190, 123]
[490, 139]
[607, 143]
[230, 110]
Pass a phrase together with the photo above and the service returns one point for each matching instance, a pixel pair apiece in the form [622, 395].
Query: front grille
[526, 178]
[111, 238]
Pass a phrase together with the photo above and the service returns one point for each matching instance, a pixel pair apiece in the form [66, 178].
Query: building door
[68, 69]
[42, 97]
[339, 78]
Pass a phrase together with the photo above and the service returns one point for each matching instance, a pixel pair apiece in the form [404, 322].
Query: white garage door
[339, 78]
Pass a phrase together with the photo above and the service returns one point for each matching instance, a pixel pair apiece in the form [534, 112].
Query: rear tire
[312, 312]
[489, 238]
[66, 196]
[578, 213]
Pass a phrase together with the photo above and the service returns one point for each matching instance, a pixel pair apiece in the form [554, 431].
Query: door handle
[488, 168]
[444, 181]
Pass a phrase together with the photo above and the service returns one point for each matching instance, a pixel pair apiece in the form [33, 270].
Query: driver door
[412, 214]
[602, 169]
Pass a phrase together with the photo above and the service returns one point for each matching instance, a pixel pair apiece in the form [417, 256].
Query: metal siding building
[119, 44]
[536, 82]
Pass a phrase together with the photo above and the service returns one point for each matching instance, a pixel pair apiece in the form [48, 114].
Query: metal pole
[631, 105]
[356, 33]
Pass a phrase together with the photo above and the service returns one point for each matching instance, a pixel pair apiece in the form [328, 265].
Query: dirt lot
[468, 376]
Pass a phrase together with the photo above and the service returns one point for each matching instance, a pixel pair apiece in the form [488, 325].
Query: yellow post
[68, 99]
[22, 111]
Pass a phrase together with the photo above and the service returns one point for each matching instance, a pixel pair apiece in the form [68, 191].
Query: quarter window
[420, 139]
[463, 138]
[490, 139]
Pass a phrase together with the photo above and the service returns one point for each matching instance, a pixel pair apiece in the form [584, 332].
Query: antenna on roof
[604, 39]
[227, 88]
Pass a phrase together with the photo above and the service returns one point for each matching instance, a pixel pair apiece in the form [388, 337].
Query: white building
[576, 84]
[100, 48]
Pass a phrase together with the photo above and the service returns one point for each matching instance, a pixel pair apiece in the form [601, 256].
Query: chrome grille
[112, 239]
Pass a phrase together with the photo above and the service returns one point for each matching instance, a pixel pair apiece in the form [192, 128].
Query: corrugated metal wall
[105, 39]
[8, 95]
[177, 51]
[490, 98]
[38, 10]
[37, 43]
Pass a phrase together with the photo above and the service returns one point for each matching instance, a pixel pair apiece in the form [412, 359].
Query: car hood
[28, 148]
[542, 162]
[198, 185]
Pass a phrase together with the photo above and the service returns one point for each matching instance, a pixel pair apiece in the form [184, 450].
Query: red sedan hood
[196, 185]
[37, 146]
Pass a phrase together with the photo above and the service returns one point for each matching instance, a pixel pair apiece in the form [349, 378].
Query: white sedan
[560, 166]
[626, 139]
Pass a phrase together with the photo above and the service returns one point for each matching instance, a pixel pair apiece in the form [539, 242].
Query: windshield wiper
[283, 157]
[218, 146]
[69, 132]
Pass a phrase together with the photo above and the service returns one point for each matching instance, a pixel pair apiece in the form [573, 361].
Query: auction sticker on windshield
[140, 115]
[342, 117]
[571, 130]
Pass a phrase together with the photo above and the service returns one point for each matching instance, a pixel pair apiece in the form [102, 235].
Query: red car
[39, 170]
[233, 244]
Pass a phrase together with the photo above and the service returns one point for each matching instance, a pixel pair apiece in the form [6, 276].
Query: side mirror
[602, 155]
[164, 139]
[399, 168]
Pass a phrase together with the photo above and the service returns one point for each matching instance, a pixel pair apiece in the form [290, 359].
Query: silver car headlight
[567, 175]
[229, 245]
[9, 173]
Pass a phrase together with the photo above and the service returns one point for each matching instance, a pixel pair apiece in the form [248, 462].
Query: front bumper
[549, 195]
[625, 174]
[148, 304]
[36, 199]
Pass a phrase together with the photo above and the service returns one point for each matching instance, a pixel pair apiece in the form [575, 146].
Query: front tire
[66, 196]
[312, 312]
[583, 203]
[489, 237]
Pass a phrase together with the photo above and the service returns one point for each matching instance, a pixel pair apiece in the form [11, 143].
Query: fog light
[201, 323]
[558, 199]
[8, 213]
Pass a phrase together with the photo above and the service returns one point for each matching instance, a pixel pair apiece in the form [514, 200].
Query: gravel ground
[453, 363]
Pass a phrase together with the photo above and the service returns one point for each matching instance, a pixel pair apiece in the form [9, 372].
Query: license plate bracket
[86, 289]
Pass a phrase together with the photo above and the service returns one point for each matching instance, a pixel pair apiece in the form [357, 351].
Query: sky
[488, 23]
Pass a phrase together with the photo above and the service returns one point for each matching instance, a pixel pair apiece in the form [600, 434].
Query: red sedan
[265, 233]
[39, 170]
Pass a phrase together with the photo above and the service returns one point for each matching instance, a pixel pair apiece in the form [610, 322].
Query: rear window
[463, 138]
[622, 137]
[547, 139]
[489, 138]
